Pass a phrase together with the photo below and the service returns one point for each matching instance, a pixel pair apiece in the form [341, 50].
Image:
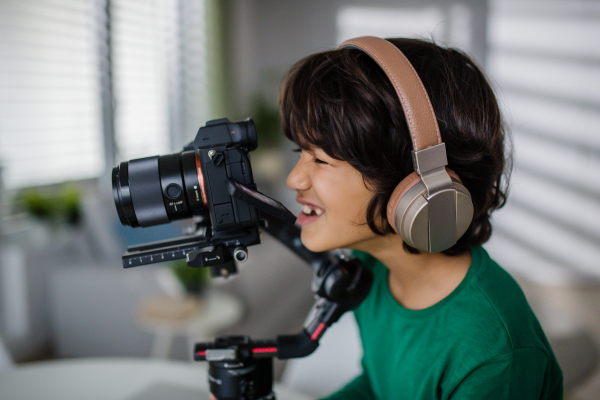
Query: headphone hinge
[437, 180]
[430, 158]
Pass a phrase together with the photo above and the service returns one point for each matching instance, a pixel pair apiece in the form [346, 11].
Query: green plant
[37, 203]
[50, 205]
[69, 205]
[193, 279]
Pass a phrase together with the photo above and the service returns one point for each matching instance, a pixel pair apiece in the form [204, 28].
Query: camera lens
[160, 189]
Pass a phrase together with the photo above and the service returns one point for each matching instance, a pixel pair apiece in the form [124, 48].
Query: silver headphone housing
[412, 220]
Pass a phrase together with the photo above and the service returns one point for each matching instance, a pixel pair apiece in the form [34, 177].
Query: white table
[113, 379]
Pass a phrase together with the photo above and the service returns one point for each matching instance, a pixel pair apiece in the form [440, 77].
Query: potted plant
[53, 206]
[193, 280]
[55, 212]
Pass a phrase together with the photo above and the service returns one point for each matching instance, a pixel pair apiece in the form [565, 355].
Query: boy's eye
[315, 159]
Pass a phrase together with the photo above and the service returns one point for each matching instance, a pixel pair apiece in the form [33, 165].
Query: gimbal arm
[289, 235]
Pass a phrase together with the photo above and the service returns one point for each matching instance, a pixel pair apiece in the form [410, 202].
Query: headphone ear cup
[408, 211]
[404, 186]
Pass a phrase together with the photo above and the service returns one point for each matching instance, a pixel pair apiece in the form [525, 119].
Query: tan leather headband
[420, 117]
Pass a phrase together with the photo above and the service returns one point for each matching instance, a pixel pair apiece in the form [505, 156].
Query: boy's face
[334, 199]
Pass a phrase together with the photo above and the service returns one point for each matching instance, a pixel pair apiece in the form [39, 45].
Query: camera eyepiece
[249, 137]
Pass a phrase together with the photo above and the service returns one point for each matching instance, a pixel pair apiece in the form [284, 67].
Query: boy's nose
[298, 179]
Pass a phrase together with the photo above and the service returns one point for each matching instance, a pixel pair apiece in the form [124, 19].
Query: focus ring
[146, 192]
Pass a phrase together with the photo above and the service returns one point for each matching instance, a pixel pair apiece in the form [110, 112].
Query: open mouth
[311, 211]
[309, 214]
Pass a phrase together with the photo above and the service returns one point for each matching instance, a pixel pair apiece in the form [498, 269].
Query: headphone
[430, 208]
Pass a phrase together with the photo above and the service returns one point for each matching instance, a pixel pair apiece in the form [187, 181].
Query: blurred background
[87, 84]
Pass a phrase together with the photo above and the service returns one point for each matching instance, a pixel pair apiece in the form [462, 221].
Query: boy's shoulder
[493, 301]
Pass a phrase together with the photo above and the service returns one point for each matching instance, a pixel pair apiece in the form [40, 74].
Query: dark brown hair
[342, 102]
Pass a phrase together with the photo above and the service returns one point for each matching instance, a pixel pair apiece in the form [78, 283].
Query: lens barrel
[157, 190]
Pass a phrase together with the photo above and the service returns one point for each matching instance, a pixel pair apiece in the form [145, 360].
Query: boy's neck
[417, 281]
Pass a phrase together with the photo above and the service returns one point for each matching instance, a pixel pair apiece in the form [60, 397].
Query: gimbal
[242, 368]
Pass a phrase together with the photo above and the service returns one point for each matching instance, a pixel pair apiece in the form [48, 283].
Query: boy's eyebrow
[305, 146]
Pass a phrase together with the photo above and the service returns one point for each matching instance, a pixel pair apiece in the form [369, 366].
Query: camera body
[223, 154]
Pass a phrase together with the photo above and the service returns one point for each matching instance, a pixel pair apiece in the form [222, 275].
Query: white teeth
[308, 211]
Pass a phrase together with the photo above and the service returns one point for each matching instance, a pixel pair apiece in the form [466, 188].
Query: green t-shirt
[481, 342]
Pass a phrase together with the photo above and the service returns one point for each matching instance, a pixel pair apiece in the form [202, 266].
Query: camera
[161, 189]
[210, 180]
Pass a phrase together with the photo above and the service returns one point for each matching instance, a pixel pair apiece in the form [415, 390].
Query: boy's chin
[313, 244]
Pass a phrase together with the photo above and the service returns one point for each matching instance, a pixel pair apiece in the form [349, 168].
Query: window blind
[51, 127]
[140, 38]
[544, 57]
[159, 73]
[49, 106]
[449, 24]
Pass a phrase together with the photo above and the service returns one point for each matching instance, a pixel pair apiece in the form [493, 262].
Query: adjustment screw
[216, 158]
[224, 272]
[240, 254]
